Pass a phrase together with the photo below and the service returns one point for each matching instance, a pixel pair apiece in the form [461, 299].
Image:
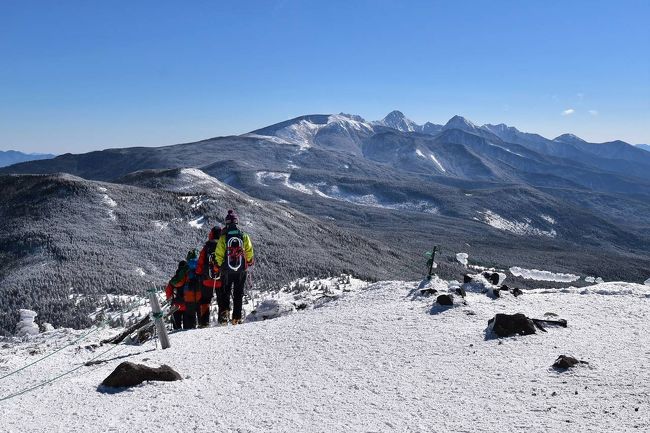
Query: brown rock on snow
[505, 325]
[129, 374]
[563, 362]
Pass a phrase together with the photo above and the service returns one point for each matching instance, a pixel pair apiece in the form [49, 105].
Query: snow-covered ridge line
[536, 274]
[265, 178]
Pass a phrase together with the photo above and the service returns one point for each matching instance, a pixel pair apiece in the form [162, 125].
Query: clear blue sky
[83, 75]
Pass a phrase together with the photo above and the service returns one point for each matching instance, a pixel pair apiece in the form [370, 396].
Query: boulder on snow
[564, 362]
[467, 279]
[129, 374]
[492, 277]
[445, 300]
[506, 325]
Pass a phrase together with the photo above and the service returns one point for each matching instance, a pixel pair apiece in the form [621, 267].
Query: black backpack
[213, 268]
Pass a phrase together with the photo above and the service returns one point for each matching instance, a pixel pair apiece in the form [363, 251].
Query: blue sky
[84, 75]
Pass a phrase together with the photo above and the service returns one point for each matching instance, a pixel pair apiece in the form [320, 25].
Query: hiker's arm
[248, 250]
[220, 251]
[200, 263]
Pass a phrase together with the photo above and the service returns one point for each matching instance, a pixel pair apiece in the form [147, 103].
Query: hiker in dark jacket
[234, 255]
[174, 292]
[209, 274]
[191, 292]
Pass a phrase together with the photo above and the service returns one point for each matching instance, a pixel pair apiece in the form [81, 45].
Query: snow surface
[191, 179]
[549, 219]
[380, 359]
[302, 133]
[160, 225]
[647, 282]
[435, 160]
[266, 178]
[109, 203]
[197, 223]
[536, 274]
[524, 228]
[505, 148]
[597, 280]
[462, 258]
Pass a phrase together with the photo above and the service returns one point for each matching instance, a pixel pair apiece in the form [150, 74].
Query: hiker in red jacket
[208, 272]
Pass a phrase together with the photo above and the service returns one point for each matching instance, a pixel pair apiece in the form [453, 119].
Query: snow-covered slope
[380, 359]
[335, 131]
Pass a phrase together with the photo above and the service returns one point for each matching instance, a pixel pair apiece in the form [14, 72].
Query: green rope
[53, 353]
[25, 391]
[82, 337]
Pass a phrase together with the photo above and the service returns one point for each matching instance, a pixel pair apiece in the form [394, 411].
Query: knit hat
[231, 218]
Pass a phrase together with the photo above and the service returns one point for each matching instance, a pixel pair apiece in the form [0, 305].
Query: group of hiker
[220, 268]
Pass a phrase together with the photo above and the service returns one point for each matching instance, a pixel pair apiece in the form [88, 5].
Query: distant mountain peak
[459, 122]
[645, 147]
[11, 157]
[500, 128]
[568, 139]
[395, 114]
[355, 117]
[397, 120]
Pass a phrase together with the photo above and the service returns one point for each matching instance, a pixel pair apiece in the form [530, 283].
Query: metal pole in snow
[431, 264]
[156, 312]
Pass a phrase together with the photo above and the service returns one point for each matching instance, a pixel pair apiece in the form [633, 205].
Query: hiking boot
[235, 321]
[223, 317]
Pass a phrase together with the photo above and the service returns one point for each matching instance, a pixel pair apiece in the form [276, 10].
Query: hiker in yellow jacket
[234, 255]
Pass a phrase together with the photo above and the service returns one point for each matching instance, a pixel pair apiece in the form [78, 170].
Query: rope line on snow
[82, 337]
[92, 331]
[32, 388]
[55, 378]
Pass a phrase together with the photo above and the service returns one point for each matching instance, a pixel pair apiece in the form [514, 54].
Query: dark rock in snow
[492, 277]
[506, 325]
[467, 279]
[461, 291]
[428, 291]
[129, 374]
[563, 362]
[516, 292]
[445, 300]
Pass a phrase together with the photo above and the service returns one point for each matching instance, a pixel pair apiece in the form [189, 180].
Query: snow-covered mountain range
[512, 198]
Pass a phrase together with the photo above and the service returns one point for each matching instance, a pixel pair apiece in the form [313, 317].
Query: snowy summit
[383, 358]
